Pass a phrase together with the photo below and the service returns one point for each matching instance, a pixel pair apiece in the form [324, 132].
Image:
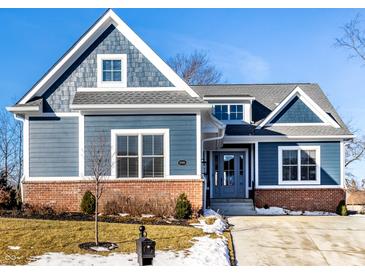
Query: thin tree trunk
[96, 214]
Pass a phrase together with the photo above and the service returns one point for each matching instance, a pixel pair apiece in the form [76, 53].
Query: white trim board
[105, 89]
[327, 120]
[107, 179]
[273, 187]
[81, 145]
[105, 21]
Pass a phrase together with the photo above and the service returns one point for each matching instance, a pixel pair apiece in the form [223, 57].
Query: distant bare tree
[353, 38]
[11, 155]
[355, 150]
[99, 164]
[195, 69]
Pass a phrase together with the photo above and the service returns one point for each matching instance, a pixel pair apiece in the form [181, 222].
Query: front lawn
[36, 237]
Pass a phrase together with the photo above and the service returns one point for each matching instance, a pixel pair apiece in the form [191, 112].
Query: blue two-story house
[275, 144]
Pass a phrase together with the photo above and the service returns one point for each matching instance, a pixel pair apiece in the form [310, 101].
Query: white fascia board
[139, 106]
[80, 89]
[109, 18]
[308, 101]
[23, 109]
[223, 98]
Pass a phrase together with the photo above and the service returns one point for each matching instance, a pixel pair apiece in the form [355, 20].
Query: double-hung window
[152, 158]
[112, 70]
[299, 165]
[140, 153]
[127, 156]
[231, 112]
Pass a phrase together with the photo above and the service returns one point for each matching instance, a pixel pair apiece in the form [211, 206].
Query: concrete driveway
[299, 240]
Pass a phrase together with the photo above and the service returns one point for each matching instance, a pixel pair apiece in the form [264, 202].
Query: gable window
[140, 153]
[299, 165]
[228, 112]
[112, 70]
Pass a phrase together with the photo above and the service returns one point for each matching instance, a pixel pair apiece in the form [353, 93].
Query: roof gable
[296, 111]
[298, 92]
[99, 28]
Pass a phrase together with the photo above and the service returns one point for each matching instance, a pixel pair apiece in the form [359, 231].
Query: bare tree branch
[195, 69]
[353, 38]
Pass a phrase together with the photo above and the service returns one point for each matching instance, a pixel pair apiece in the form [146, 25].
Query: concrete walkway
[299, 240]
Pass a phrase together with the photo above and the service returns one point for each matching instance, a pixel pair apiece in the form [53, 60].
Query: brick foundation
[66, 196]
[325, 199]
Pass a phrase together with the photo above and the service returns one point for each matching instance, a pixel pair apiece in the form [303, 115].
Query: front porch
[229, 175]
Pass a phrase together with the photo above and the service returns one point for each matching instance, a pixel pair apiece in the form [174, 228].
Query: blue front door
[229, 174]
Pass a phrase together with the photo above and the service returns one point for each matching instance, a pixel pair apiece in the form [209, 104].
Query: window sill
[300, 183]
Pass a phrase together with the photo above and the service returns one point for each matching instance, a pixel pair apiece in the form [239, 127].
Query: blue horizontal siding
[182, 136]
[296, 112]
[53, 147]
[330, 162]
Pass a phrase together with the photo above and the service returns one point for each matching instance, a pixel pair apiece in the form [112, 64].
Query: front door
[229, 174]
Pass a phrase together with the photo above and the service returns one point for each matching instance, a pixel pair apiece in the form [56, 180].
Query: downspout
[220, 137]
[23, 177]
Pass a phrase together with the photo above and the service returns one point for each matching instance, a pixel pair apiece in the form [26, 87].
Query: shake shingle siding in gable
[296, 112]
[330, 162]
[53, 147]
[182, 136]
[83, 72]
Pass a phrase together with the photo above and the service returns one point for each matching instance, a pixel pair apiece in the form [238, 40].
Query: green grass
[36, 237]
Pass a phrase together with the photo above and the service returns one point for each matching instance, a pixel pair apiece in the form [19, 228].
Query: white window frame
[299, 181]
[244, 110]
[140, 132]
[123, 59]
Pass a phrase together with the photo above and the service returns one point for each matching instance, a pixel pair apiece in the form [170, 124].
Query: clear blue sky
[247, 45]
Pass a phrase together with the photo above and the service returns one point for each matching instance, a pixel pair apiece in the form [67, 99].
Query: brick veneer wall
[66, 196]
[325, 199]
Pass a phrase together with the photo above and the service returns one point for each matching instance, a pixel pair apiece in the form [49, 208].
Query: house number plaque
[182, 162]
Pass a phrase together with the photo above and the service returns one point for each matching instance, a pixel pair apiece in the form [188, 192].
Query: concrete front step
[245, 208]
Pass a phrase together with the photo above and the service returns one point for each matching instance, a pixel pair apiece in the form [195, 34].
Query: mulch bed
[75, 216]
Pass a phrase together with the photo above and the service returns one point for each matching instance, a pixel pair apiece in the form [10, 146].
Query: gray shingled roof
[34, 102]
[234, 130]
[267, 98]
[135, 97]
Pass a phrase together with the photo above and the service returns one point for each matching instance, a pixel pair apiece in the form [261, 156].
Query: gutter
[219, 137]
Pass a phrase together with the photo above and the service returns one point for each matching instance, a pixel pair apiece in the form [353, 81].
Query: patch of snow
[357, 215]
[123, 214]
[11, 247]
[318, 213]
[211, 213]
[99, 248]
[281, 211]
[270, 211]
[103, 248]
[205, 251]
[147, 215]
[219, 225]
